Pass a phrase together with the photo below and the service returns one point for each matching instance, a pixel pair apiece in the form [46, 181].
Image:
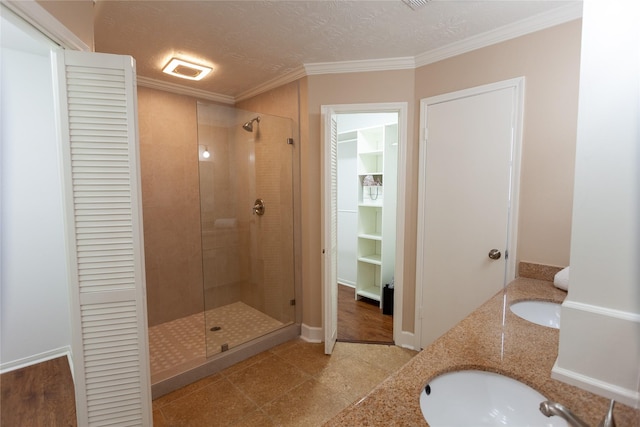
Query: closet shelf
[371, 292]
[375, 259]
[340, 141]
[371, 153]
[370, 236]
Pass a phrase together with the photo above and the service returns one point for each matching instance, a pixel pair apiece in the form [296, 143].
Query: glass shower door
[246, 200]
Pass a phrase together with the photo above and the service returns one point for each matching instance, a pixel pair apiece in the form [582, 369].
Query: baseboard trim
[315, 334]
[37, 358]
[311, 333]
[406, 340]
[348, 283]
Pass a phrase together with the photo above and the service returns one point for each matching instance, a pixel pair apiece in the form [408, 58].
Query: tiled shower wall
[171, 205]
[171, 209]
[247, 258]
[284, 101]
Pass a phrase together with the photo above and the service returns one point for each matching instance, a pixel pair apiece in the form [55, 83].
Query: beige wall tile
[171, 205]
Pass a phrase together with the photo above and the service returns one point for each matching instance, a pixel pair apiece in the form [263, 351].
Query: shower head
[249, 125]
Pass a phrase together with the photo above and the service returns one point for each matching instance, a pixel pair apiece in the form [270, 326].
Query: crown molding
[36, 15]
[291, 76]
[517, 29]
[387, 64]
[183, 90]
[536, 23]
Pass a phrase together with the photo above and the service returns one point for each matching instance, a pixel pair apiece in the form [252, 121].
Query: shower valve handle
[258, 207]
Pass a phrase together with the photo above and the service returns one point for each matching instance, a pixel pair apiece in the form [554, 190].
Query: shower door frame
[220, 361]
[244, 154]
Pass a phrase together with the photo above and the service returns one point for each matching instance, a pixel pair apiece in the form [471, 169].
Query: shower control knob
[494, 254]
[258, 207]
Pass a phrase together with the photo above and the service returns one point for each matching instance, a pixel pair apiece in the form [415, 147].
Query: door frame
[41, 20]
[327, 112]
[518, 87]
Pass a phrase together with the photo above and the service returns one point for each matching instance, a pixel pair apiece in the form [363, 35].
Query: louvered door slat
[118, 400]
[99, 326]
[103, 210]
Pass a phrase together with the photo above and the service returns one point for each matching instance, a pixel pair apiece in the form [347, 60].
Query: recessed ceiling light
[186, 70]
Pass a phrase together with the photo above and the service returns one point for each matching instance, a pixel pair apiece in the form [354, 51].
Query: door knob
[494, 254]
[258, 207]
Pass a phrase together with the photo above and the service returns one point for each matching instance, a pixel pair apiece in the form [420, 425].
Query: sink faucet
[549, 408]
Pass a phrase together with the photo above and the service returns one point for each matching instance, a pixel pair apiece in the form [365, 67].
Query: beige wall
[282, 101]
[549, 60]
[76, 15]
[171, 206]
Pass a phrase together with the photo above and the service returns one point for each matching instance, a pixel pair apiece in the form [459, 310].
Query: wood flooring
[362, 320]
[38, 395]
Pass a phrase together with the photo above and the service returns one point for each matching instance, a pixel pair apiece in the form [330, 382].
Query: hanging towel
[561, 279]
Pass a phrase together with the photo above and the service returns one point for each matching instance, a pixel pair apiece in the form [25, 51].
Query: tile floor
[294, 384]
[179, 345]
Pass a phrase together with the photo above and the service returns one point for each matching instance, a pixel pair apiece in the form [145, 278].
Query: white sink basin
[539, 312]
[479, 398]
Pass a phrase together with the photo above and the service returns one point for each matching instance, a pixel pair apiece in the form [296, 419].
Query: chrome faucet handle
[550, 408]
[608, 420]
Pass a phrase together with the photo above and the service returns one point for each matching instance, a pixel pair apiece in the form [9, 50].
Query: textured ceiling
[252, 42]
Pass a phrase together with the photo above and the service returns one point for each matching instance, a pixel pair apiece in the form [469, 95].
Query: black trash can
[387, 300]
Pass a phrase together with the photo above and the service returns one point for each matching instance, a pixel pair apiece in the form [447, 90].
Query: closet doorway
[361, 282]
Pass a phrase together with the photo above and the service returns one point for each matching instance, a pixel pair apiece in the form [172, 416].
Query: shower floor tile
[179, 345]
[237, 323]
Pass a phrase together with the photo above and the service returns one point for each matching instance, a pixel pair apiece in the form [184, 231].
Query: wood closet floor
[362, 320]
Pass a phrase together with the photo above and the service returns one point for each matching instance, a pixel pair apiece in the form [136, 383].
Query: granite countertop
[515, 348]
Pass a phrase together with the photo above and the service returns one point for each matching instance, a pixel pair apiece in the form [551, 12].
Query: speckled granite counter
[518, 349]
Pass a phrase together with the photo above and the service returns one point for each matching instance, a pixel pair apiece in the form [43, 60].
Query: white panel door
[465, 186]
[99, 148]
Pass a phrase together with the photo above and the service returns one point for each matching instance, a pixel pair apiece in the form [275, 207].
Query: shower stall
[245, 168]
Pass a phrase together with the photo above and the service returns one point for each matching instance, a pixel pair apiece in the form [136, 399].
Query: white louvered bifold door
[330, 279]
[99, 140]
